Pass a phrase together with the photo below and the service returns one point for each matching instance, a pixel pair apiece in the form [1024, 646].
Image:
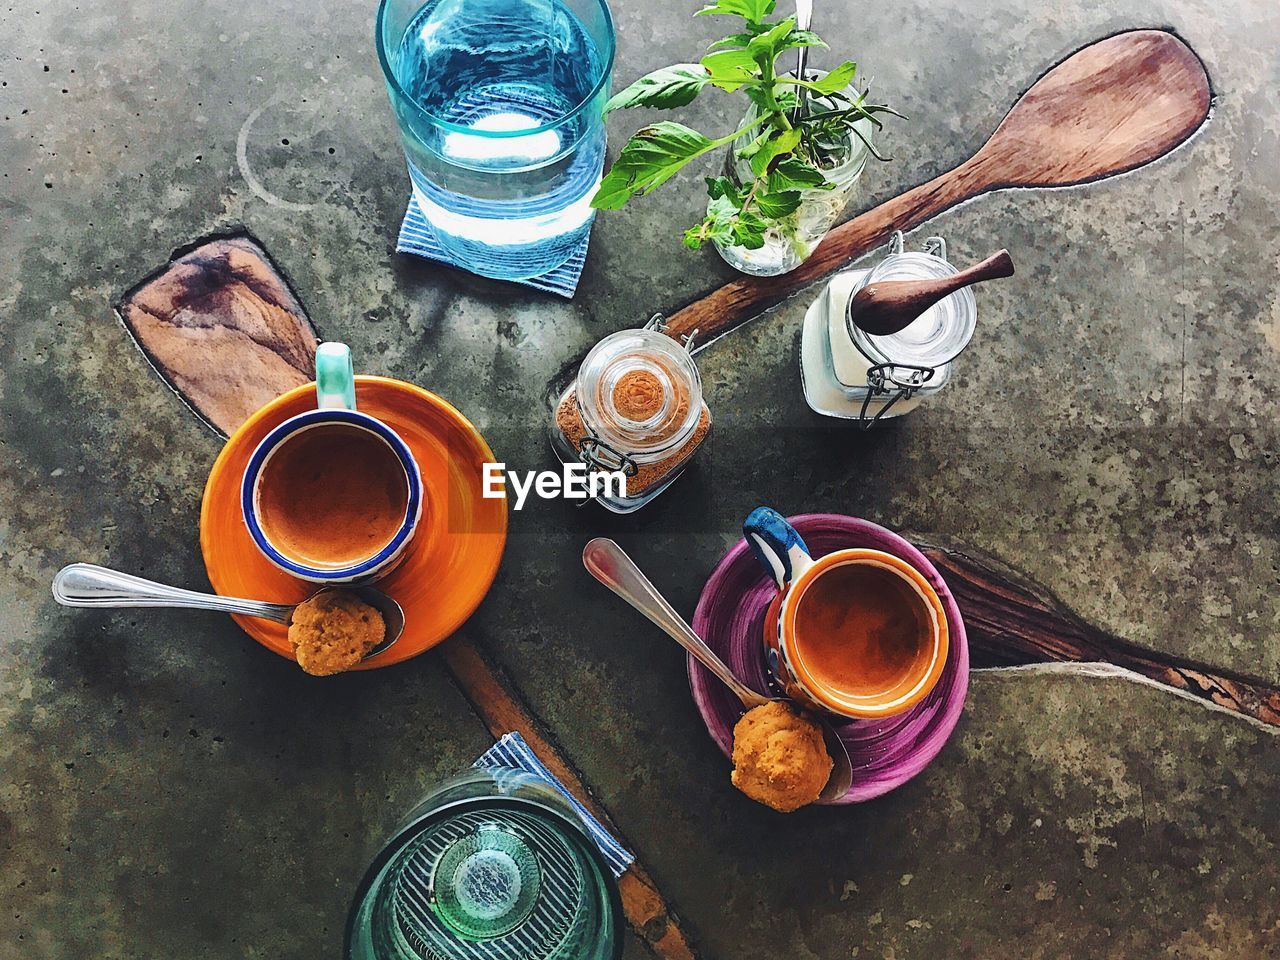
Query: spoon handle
[804, 20]
[608, 563]
[88, 585]
[998, 265]
[887, 306]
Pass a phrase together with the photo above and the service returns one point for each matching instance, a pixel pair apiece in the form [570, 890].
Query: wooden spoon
[885, 307]
[1112, 106]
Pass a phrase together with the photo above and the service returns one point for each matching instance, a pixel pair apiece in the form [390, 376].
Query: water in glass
[499, 104]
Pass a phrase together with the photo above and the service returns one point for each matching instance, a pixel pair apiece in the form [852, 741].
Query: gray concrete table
[168, 788]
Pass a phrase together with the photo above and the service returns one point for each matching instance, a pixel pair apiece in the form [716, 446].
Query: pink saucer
[730, 618]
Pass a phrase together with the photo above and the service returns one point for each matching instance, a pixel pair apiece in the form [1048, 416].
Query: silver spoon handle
[88, 585]
[804, 20]
[609, 563]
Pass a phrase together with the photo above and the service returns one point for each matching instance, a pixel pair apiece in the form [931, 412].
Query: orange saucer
[453, 557]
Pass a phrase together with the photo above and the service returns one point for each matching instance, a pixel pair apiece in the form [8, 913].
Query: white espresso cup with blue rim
[333, 495]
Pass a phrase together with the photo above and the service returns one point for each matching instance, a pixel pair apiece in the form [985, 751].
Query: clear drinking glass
[790, 242]
[492, 865]
[500, 108]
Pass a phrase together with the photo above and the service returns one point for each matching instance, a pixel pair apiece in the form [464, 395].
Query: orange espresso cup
[857, 633]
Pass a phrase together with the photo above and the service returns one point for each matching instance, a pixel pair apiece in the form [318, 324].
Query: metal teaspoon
[804, 20]
[609, 563]
[89, 585]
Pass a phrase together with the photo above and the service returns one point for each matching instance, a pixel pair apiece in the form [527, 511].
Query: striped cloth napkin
[512, 751]
[416, 238]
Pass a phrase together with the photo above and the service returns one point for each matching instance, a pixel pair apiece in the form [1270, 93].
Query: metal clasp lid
[935, 246]
[596, 453]
[883, 377]
[601, 455]
[905, 378]
[658, 323]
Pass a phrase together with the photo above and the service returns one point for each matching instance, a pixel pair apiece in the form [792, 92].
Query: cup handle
[335, 377]
[777, 545]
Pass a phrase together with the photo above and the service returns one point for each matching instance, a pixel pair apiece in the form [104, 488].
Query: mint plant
[787, 148]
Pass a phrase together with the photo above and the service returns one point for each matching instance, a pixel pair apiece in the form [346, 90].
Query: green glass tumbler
[493, 865]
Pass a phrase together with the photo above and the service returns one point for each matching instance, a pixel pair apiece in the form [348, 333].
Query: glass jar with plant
[791, 165]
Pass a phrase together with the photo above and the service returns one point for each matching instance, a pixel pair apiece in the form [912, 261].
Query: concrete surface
[167, 788]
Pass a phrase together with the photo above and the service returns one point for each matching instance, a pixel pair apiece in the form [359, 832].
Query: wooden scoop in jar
[885, 307]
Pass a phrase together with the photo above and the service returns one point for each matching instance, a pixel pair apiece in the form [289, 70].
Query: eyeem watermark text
[574, 481]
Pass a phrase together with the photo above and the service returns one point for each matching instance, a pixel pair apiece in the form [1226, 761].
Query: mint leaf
[728, 225]
[775, 146]
[718, 187]
[775, 206]
[749, 231]
[752, 148]
[753, 11]
[788, 100]
[765, 47]
[735, 40]
[801, 38]
[837, 79]
[757, 96]
[651, 157]
[730, 69]
[673, 86]
[694, 237]
[784, 98]
[718, 224]
[794, 174]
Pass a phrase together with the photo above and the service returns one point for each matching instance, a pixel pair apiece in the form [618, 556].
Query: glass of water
[500, 108]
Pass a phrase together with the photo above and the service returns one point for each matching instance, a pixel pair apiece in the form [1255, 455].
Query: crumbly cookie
[779, 758]
[333, 631]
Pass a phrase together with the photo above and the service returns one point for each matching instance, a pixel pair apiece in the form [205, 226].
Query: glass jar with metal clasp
[636, 407]
[855, 375]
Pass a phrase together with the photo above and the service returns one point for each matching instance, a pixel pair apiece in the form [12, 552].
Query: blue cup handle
[335, 377]
[777, 545]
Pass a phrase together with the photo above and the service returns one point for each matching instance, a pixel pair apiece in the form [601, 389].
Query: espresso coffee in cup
[857, 633]
[333, 495]
[863, 631]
